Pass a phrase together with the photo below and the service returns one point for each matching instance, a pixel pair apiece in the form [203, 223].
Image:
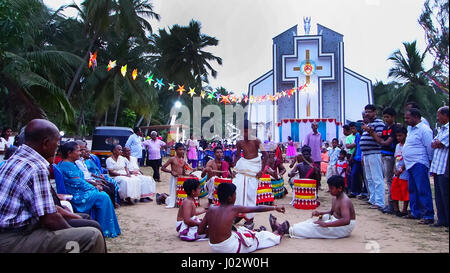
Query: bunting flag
[214, 94]
[191, 92]
[181, 89]
[171, 86]
[159, 83]
[123, 70]
[111, 65]
[149, 79]
[93, 60]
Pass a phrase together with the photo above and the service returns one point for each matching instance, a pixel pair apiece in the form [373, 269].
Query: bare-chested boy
[224, 238]
[178, 167]
[248, 171]
[187, 221]
[215, 168]
[333, 224]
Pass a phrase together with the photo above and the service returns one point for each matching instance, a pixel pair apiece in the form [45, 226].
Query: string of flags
[211, 95]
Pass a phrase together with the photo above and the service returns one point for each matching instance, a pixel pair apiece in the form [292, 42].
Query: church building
[334, 94]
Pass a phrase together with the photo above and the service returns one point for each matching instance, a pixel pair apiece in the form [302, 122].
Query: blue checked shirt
[24, 189]
[440, 155]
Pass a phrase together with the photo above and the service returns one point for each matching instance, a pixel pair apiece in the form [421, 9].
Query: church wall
[284, 45]
[331, 101]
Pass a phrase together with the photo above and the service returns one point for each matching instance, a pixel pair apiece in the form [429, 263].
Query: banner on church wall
[297, 129]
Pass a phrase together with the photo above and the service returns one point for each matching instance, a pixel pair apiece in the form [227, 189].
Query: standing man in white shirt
[134, 142]
[417, 154]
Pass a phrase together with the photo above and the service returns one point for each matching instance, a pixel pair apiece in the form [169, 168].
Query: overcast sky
[372, 30]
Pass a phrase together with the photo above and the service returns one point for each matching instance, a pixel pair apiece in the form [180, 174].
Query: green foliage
[128, 118]
[435, 22]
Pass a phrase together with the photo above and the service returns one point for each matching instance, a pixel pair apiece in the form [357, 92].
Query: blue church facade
[333, 92]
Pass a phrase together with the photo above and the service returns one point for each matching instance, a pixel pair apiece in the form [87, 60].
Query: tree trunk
[78, 73]
[140, 121]
[117, 111]
[80, 120]
[106, 118]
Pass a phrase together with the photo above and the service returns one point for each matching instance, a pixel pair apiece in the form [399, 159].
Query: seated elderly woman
[129, 186]
[85, 195]
[148, 185]
[108, 184]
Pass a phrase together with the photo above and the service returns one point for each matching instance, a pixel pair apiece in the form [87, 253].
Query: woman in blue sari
[97, 173]
[85, 195]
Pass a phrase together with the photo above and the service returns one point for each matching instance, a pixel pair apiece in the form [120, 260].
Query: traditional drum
[305, 195]
[264, 195]
[217, 182]
[181, 194]
[278, 188]
[203, 190]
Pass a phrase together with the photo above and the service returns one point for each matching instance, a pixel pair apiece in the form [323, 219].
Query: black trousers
[155, 164]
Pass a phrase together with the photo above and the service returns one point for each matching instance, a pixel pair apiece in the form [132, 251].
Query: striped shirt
[24, 189]
[440, 155]
[367, 143]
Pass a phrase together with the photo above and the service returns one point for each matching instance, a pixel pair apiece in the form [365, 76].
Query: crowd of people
[379, 161]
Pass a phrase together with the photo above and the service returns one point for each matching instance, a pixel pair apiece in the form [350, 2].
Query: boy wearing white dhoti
[178, 167]
[187, 221]
[248, 171]
[218, 224]
[339, 222]
[215, 168]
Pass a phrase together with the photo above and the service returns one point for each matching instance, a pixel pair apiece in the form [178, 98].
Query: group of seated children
[218, 222]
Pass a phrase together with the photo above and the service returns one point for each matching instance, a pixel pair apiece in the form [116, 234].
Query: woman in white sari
[129, 186]
[148, 185]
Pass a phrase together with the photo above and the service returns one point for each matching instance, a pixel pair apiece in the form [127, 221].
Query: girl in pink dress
[291, 151]
[192, 152]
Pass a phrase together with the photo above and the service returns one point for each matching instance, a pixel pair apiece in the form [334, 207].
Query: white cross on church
[307, 65]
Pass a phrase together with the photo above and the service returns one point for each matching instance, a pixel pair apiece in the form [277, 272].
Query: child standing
[187, 221]
[333, 154]
[325, 159]
[399, 187]
[178, 167]
[341, 167]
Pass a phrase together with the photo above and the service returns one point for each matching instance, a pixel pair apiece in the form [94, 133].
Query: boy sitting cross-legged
[224, 238]
[187, 221]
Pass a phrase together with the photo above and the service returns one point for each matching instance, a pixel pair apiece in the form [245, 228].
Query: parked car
[105, 138]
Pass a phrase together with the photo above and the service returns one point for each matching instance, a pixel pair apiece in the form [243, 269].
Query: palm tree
[410, 70]
[32, 73]
[180, 55]
[127, 16]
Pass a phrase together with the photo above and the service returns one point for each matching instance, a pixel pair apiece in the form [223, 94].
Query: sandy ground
[150, 228]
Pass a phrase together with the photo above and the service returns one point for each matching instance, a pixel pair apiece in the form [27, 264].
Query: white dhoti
[210, 187]
[171, 200]
[246, 182]
[331, 170]
[245, 241]
[129, 187]
[187, 233]
[148, 186]
[308, 229]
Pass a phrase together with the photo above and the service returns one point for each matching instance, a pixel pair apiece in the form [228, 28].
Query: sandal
[272, 221]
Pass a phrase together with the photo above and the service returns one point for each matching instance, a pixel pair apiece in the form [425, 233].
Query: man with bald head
[29, 219]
